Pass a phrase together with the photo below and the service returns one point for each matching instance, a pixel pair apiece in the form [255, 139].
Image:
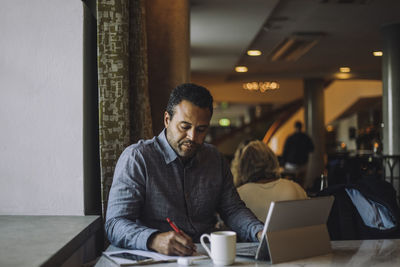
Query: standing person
[256, 175]
[296, 150]
[175, 175]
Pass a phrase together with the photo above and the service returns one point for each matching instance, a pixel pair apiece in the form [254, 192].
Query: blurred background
[260, 58]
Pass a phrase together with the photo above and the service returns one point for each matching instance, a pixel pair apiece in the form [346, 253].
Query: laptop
[293, 229]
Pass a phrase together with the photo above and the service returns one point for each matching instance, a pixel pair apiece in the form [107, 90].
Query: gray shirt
[151, 183]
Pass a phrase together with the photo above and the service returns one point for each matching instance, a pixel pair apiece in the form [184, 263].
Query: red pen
[176, 229]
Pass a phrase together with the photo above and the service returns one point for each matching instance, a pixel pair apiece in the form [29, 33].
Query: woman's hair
[254, 161]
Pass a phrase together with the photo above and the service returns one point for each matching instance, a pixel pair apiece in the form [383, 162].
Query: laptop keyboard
[250, 250]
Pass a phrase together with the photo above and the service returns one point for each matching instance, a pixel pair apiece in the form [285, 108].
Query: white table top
[344, 253]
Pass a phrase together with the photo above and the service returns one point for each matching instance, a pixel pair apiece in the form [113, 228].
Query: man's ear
[167, 119]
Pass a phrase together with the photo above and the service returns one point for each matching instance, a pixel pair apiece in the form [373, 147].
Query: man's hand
[172, 243]
[259, 236]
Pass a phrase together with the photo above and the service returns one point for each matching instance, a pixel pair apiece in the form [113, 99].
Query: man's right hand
[172, 243]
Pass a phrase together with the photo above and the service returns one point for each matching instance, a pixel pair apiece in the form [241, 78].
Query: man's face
[187, 129]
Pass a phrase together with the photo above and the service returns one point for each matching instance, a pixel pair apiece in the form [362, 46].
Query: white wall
[41, 170]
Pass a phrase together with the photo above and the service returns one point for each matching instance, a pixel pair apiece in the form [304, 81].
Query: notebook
[293, 229]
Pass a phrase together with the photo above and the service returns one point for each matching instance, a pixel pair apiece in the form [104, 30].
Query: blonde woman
[256, 175]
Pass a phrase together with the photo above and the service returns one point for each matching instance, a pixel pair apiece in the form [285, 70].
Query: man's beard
[191, 150]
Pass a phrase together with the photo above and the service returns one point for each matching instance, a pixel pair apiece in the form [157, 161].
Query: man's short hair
[298, 125]
[196, 94]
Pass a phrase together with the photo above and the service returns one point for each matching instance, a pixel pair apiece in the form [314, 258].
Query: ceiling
[339, 32]
[346, 31]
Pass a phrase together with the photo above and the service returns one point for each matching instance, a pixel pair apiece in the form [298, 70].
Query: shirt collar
[167, 151]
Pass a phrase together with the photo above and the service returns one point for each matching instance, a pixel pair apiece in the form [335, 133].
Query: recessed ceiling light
[377, 53]
[241, 69]
[344, 69]
[254, 53]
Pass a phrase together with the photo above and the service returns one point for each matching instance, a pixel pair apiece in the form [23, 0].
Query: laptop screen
[289, 219]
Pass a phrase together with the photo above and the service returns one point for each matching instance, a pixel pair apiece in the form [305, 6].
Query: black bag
[346, 223]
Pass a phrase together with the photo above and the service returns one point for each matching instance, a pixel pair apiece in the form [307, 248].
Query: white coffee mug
[223, 247]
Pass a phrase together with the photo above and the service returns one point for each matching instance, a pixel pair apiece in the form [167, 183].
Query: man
[175, 175]
[296, 150]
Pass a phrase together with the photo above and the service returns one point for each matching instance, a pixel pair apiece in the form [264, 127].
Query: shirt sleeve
[234, 212]
[125, 202]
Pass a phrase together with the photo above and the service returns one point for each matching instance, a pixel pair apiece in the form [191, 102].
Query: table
[344, 253]
[48, 240]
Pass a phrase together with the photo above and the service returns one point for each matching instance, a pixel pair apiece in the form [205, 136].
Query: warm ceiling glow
[344, 69]
[241, 69]
[377, 53]
[224, 122]
[254, 53]
[343, 76]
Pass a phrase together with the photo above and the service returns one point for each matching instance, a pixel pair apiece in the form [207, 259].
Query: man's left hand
[259, 236]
